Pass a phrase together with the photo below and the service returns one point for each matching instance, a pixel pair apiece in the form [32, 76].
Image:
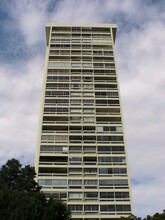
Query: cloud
[140, 55]
[20, 96]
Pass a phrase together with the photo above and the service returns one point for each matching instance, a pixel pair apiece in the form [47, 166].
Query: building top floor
[75, 27]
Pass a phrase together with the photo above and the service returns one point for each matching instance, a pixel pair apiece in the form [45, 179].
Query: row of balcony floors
[83, 65]
[79, 71]
[78, 29]
[102, 116]
[106, 204]
[78, 78]
[81, 102]
[65, 37]
[84, 44]
[103, 150]
[91, 184]
[49, 124]
[97, 201]
[101, 53]
[49, 137]
[89, 169]
[78, 101]
[85, 98]
[106, 165]
[78, 86]
[53, 56]
[77, 116]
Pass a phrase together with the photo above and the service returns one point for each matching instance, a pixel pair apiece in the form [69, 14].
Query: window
[113, 149]
[90, 170]
[48, 170]
[106, 183]
[115, 160]
[57, 93]
[59, 182]
[90, 182]
[87, 86]
[118, 171]
[75, 207]
[99, 129]
[87, 78]
[121, 183]
[105, 170]
[88, 94]
[104, 159]
[75, 119]
[114, 182]
[87, 65]
[110, 138]
[56, 101]
[75, 159]
[75, 182]
[109, 129]
[107, 208]
[91, 207]
[75, 148]
[75, 94]
[88, 102]
[76, 78]
[91, 195]
[89, 119]
[89, 148]
[75, 102]
[75, 170]
[51, 110]
[121, 195]
[54, 148]
[75, 86]
[75, 40]
[76, 29]
[113, 208]
[75, 65]
[52, 138]
[75, 110]
[75, 195]
[106, 194]
[59, 64]
[88, 110]
[61, 138]
[119, 129]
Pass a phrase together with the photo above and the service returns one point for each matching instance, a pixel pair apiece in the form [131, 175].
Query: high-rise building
[81, 151]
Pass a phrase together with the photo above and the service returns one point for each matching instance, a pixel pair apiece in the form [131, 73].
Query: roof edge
[49, 25]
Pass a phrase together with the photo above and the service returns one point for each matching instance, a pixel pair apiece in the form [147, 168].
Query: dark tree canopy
[156, 216]
[21, 199]
[13, 175]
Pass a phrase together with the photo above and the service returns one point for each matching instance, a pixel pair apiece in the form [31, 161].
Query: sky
[140, 59]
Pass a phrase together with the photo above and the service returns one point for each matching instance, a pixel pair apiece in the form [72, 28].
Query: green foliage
[13, 175]
[156, 216]
[131, 217]
[21, 199]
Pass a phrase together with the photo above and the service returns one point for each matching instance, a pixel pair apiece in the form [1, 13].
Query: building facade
[81, 151]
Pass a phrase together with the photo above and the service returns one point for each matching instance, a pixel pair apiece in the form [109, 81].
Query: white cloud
[140, 55]
[20, 108]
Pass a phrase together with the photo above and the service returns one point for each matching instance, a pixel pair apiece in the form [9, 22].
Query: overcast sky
[140, 58]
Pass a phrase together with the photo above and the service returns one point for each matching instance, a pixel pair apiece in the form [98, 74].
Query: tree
[130, 217]
[156, 216]
[21, 198]
[13, 175]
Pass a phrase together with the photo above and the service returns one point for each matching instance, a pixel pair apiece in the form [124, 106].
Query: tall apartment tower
[81, 152]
